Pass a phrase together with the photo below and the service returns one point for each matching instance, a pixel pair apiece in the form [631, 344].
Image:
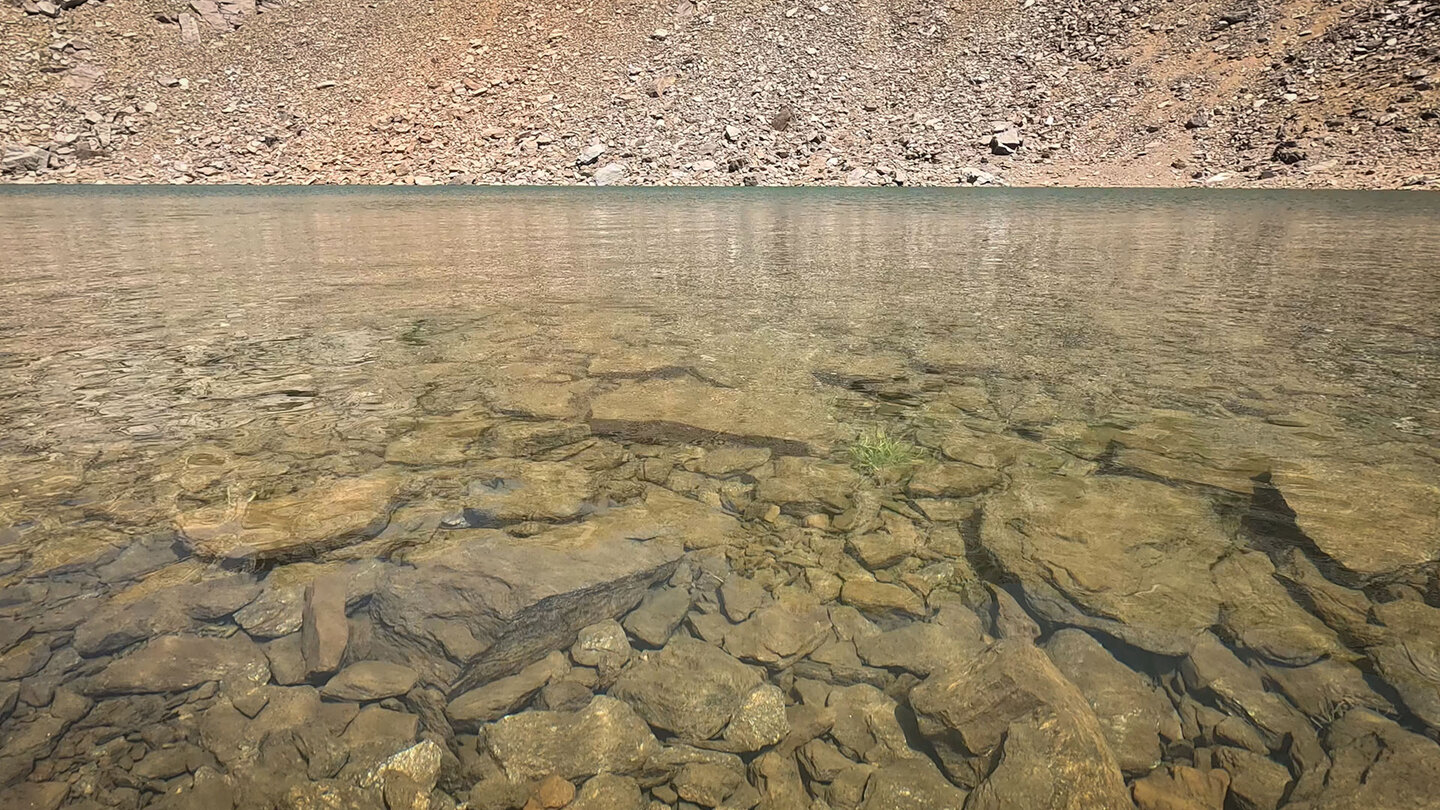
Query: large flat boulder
[177, 663]
[686, 407]
[1150, 564]
[296, 525]
[1406, 655]
[1373, 520]
[480, 604]
[1011, 706]
[507, 490]
[1375, 763]
[1135, 716]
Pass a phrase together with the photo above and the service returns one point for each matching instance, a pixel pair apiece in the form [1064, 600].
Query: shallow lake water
[800, 498]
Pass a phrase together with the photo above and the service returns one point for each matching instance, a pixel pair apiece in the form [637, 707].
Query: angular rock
[727, 460]
[866, 725]
[759, 721]
[590, 154]
[740, 597]
[35, 795]
[9, 695]
[706, 783]
[1135, 716]
[1256, 782]
[140, 558]
[777, 778]
[1008, 619]
[295, 526]
[1325, 689]
[955, 635]
[1211, 667]
[24, 659]
[499, 698]
[608, 791]
[370, 680]
[876, 550]
[605, 737]
[1407, 655]
[324, 629]
[1261, 621]
[659, 613]
[287, 662]
[1178, 787]
[795, 624]
[18, 159]
[123, 621]
[602, 644]
[564, 696]
[1375, 763]
[944, 480]
[880, 598]
[689, 689]
[1012, 700]
[804, 486]
[278, 610]
[610, 174]
[177, 663]
[911, 784]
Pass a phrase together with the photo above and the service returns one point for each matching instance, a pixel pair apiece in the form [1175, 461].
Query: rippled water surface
[324, 498]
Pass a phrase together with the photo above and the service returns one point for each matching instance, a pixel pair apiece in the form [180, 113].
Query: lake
[726, 498]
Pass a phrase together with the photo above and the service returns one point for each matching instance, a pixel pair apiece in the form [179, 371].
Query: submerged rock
[940, 480]
[501, 697]
[793, 625]
[659, 613]
[370, 680]
[690, 689]
[803, 486]
[489, 603]
[605, 737]
[1407, 655]
[1375, 763]
[512, 490]
[1178, 787]
[1135, 716]
[177, 663]
[1010, 701]
[294, 526]
[1146, 563]
[911, 783]
[324, 629]
[685, 407]
[1371, 520]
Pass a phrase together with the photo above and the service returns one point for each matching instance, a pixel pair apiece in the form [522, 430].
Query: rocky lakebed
[637, 585]
[285, 536]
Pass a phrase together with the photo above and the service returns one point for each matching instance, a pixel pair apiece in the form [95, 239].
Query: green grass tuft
[878, 449]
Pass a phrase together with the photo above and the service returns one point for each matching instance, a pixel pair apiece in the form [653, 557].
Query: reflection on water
[297, 481]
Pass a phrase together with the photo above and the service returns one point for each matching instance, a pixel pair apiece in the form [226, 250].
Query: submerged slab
[1150, 564]
[481, 604]
[689, 408]
[293, 526]
[1372, 520]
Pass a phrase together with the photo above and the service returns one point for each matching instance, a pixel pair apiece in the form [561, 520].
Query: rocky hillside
[1026, 92]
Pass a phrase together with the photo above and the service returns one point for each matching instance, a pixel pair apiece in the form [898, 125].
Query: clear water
[167, 352]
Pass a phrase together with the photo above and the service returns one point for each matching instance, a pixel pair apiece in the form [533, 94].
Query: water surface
[242, 393]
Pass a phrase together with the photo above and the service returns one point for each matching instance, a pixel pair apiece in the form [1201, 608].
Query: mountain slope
[1289, 93]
